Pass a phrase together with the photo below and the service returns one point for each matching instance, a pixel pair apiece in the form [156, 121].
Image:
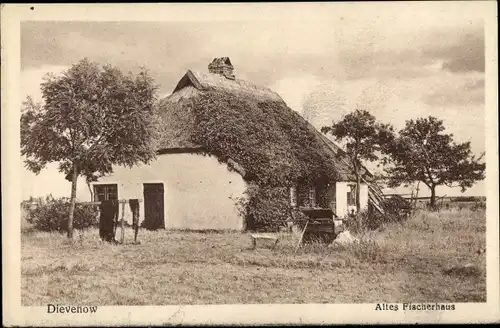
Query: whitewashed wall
[341, 192]
[200, 192]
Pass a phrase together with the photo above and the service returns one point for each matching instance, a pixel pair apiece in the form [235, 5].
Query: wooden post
[411, 196]
[135, 222]
[301, 237]
[123, 223]
[416, 196]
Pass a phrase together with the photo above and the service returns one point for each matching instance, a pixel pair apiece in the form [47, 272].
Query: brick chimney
[222, 66]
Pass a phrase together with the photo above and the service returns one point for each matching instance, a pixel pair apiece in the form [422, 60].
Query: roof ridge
[207, 80]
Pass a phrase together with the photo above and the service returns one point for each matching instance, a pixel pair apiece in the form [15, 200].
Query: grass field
[399, 263]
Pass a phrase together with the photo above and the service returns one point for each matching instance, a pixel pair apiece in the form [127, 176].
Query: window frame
[106, 192]
[303, 196]
[351, 195]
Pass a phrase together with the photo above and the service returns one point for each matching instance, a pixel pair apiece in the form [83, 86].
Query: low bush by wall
[265, 209]
[53, 215]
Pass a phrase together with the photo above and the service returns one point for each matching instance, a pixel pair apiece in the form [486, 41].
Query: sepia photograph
[294, 154]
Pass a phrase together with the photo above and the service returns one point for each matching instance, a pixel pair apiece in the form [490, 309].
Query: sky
[398, 66]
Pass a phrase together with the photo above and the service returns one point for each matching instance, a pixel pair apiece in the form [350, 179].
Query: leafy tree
[92, 117]
[423, 152]
[364, 138]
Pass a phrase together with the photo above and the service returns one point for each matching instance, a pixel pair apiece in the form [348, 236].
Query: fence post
[123, 223]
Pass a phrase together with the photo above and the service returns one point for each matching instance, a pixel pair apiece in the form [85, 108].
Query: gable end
[188, 80]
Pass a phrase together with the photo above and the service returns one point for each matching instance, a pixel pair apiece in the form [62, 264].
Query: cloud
[397, 100]
[463, 52]
[452, 91]
[263, 53]
[416, 53]
[160, 47]
[295, 90]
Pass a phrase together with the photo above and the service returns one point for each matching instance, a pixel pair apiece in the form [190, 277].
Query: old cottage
[221, 134]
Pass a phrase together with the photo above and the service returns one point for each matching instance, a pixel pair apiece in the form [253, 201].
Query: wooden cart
[319, 226]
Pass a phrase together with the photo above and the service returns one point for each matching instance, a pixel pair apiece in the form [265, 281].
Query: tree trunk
[358, 204]
[433, 197]
[72, 201]
[358, 193]
[91, 191]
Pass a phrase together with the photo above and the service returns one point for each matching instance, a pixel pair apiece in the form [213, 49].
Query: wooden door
[154, 217]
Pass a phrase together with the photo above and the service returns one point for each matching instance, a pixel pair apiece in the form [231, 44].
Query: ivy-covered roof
[252, 126]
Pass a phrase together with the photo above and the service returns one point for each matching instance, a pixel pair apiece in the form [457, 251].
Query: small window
[312, 197]
[293, 196]
[351, 195]
[105, 192]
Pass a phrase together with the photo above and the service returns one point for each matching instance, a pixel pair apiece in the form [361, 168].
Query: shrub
[265, 208]
[366, 220]
[53, 215]
[396, 209]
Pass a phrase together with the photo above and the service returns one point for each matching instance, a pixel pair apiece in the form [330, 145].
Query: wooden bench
[265, 241]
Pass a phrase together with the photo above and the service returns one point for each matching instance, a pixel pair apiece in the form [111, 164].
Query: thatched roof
[208, 81]
[267, 129]
[178, 119]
